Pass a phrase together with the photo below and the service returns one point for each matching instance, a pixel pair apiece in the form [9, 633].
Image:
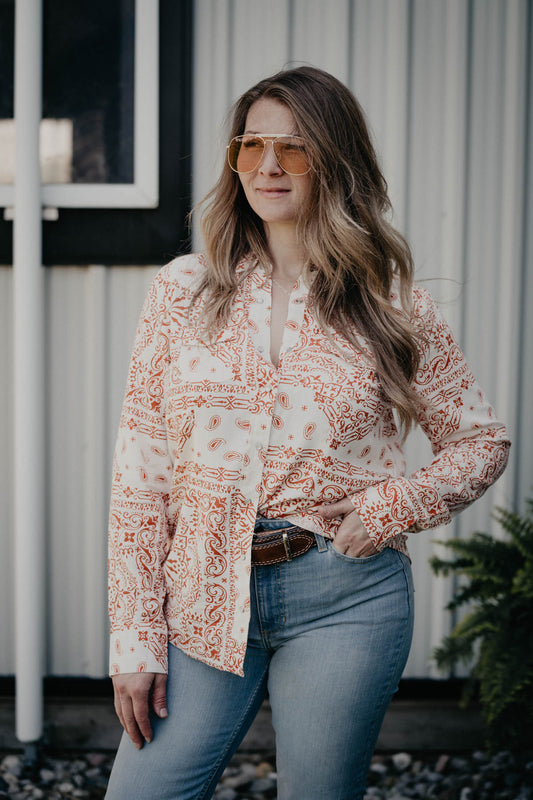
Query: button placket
[261, 426]
[294, 321]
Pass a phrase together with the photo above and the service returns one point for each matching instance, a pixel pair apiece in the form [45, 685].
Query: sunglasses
[246, 152]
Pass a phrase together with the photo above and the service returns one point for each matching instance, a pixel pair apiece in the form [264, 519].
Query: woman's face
[274, 195]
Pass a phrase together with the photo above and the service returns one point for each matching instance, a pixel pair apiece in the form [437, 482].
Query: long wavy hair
[351, 248]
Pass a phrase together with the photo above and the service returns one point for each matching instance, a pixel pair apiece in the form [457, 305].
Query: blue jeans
[329, 637]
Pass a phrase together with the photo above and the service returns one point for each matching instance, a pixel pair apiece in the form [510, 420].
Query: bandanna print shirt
[211, 434]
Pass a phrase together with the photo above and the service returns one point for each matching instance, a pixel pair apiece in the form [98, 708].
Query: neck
[288, 257]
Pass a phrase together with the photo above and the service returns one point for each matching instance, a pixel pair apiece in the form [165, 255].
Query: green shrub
[497, 631]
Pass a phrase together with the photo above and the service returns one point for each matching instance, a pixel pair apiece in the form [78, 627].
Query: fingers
[124, 709]
[354, 546]
[352, 538]
[130, 723]
[332, 510]
[142, 715]
[159, 695]
[118, 710]
[132, 705]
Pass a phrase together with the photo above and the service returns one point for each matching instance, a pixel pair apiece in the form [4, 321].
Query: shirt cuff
[393, 507]
[130, 651]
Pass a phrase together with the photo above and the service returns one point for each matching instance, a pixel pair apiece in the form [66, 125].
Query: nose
[269, 163]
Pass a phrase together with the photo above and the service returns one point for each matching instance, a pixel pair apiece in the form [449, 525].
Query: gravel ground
[401, 776]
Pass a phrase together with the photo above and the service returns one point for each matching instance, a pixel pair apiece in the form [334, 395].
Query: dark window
[88, 79]
[7, 55]
[88, 85]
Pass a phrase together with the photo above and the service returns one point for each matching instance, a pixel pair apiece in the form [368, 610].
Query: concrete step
[413, 725]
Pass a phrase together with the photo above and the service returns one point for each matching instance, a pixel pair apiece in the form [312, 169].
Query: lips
[272, 192]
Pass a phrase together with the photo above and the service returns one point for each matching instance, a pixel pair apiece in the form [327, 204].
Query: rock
[12, 765]
[400, 782]
[512, 779]
[12, 782]
[442, 763]
[263, 770]
[459, 765]
[432, 777]
[225, 794]
[262, 785]
[46, 776]
[62, 773]
[402, 761]
[503, 758]
[378, 768]
[96, 759]
[252, 776]
[244, 776]
[445, 794]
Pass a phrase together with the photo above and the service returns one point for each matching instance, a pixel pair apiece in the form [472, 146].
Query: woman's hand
[352, 538]
[132, 698]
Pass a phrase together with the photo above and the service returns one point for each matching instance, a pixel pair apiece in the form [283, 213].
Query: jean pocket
[355, 559]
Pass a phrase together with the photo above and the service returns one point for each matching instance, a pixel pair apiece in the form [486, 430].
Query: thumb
[331, 510]
[159, 695]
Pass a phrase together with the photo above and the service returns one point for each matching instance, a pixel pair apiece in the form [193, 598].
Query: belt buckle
[286, 545]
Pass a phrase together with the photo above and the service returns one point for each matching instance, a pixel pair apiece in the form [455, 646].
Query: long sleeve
[470, 446]
[139, 537]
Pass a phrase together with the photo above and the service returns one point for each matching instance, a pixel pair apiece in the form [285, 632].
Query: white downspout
[29, 434]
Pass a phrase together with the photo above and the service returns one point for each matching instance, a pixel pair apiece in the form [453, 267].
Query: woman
[260, 509]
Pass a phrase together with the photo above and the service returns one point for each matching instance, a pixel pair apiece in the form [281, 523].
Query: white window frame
[143, 192]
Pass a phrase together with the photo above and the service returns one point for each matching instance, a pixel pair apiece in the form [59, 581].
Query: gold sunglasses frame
[265, 138]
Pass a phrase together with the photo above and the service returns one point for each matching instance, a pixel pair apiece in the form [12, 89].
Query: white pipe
[28, 312]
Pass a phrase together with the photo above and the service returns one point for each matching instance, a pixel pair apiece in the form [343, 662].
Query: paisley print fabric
[212, 434]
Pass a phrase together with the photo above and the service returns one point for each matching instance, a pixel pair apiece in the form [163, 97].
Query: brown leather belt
[280, 545]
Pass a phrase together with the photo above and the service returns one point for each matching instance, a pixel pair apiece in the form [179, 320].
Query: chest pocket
[198, 362]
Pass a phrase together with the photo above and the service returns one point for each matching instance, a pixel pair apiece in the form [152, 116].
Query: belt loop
[287, 546]
[321, 543]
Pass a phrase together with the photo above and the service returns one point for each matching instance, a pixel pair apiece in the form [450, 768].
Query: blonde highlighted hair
[354, 251]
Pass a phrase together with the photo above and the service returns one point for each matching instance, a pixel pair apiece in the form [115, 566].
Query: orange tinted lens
[291, 154]
[245, 153]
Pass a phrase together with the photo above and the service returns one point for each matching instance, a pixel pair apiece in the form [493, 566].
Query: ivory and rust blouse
[211, 434]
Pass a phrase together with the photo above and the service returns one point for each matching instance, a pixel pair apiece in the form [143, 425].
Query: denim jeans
[329, 637]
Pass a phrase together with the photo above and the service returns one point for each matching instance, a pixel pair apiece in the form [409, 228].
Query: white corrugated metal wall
[447, 88]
